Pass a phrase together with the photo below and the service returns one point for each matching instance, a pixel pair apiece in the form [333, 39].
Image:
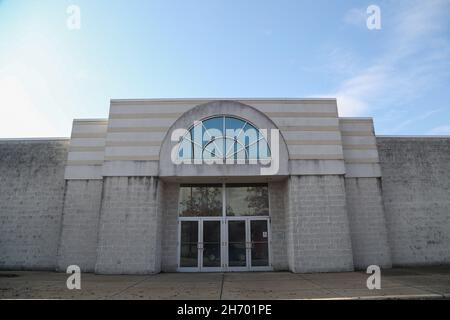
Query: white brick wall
[31, 200]
[318, 227]
[170, 232]
[277, 191]
[367, 223]
[129, 230]
[416, 194]
[78, 243]
[311, 229]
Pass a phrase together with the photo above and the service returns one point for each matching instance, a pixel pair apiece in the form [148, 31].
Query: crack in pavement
[125, 289]
[221, 286]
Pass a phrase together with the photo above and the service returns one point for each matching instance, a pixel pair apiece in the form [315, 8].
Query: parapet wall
[31, 200]
[416, 195]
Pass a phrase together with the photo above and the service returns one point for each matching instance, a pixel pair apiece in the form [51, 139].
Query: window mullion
[224, 201]
[224, 139]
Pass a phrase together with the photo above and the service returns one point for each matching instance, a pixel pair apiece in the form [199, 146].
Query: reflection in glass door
[189, 244]
[211, 255]
[259, 237]
[201, 244]
[248, 244]
[237, 242]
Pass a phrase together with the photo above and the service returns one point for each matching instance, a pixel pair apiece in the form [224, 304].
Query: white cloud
[352, 94]
[441, 130]
[342, 62]
[356, 17]
[410, 121]
[416, 58]
[20, 116]
[350, 106]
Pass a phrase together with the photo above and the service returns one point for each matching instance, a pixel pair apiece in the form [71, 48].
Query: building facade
[224, 185]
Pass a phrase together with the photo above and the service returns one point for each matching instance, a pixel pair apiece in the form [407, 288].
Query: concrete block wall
[158, 224]
[277, 191]
[170, 227]
[79, 230]
[318, 226]
[130, 223]
[416, 194]
[31, 201]
[367, 223]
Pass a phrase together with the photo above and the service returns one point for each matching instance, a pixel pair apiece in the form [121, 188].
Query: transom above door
[224, 228]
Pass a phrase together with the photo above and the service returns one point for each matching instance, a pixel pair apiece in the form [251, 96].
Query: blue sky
[400, 75]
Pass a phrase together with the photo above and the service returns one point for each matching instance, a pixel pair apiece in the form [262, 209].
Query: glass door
[259, 244]
[211, 245]
[224, 228]
[200, 244]
[189, 245]
[247, 244]
[237, 245]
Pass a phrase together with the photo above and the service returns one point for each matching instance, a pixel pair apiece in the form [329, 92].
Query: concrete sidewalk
[398, 283]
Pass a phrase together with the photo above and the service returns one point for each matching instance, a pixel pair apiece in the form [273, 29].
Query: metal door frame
[248, 241]
[224, 241]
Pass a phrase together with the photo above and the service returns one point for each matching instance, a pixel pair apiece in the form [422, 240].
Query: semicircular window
[224, 139]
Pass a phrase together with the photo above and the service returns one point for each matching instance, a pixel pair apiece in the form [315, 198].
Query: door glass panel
[200, 200]
[211, 243]
[260, 243]
[260, 254]
[189, 241]
[247, 200]
[237, 252]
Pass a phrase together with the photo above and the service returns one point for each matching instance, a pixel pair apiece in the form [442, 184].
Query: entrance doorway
[224, 244]
[224, 227]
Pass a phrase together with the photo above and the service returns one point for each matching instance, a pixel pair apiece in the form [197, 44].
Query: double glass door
[248, 244]
[224, 244]
[200, 244]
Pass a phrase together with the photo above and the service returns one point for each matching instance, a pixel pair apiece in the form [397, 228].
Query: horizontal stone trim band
[155, 115]
[150, 102]
[357, 133]
[133, 143]
[175, 115]
[301, 114]
[360, 146]
[84, 162]
[90, 122]
[365, 160]
[91, 142]
[86, 149]
[89, 129]
[317, 157]
[356, 121]
[138, 129]
[309, 128]
[131, 158]
[88, 135]
[314, 142]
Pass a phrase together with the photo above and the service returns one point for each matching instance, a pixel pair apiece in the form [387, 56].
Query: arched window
[224, 139]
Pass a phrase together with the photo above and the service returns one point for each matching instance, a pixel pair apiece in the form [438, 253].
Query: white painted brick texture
[318, 227]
